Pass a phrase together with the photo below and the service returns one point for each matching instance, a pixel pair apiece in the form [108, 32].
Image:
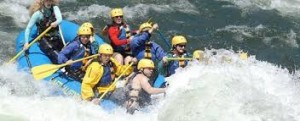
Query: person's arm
[113, 33]
[93, 73]
[154, 27]
[164, 66]
[34, 19]
[140, 40]
[62, 55]
[149, 89]
[120, 68]
[159, 52]
[58, 15]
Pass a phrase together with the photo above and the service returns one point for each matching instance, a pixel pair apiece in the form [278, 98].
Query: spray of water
[222, 87]
[285, 7]
[232, 90]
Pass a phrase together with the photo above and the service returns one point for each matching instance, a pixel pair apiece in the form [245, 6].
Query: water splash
[222, 87]
[248, 90]
[132, 12]
[285, 7]
[240, 33]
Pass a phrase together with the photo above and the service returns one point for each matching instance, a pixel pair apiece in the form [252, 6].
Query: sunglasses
[106, 55]
[181, 46]
[119, 16]
[149, 68]
[85, 36]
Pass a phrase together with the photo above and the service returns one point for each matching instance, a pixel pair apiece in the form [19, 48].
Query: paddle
[43, 71]
[169, 59]
[244, 55]
[31, 43]
[163, 38]
[115, 81]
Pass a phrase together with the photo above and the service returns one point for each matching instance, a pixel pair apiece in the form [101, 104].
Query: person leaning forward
[139, 90]
[79, 48]
[100, 75]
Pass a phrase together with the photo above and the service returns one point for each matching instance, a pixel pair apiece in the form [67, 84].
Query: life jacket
[143, 97]
[181, 63]
[124, 33]
[107, 78]
[48, 18]
[81, 52]
[147, 54]
[174, 64]
[149, 50]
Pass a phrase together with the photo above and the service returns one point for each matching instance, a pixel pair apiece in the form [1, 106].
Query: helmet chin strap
[143, 73]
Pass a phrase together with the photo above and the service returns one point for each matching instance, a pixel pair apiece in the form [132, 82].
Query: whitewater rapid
[222, 87]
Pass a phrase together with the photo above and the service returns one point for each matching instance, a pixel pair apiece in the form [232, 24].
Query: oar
[115, 81]
[163, 38]
[62, 35]
[36, 39]
[244, 55]
[169, 59]
[43, 71]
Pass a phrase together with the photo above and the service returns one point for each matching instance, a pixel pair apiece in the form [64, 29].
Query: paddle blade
[244, 56]
[43, 71]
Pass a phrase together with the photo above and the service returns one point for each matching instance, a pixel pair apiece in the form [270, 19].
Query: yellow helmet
[198, 54]
[145, 63]
[88, 24]
[83, 30]
[178, 39]
[105, 49]
[145, 25]
[116, 12]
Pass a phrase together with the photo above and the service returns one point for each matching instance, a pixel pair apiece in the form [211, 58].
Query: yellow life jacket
[181, 62]
[85, 62]
[147, 53]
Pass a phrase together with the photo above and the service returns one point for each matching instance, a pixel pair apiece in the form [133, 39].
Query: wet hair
[37, 5]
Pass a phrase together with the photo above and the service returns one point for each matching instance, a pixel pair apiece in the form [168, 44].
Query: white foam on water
[17, 9]
[223, 87]
[235, 90]
[131, 12]
[285, 7]
[242, 31]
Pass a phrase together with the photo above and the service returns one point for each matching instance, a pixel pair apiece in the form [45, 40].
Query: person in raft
[119, 34]
[46, 13]
[138, 89]
[178, 51]
[79, 48]
[100, 75]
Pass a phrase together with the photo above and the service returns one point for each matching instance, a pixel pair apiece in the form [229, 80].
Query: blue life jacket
[143, 48]
[174, 64]
[124, 34]
[74, 50]
[106, 77]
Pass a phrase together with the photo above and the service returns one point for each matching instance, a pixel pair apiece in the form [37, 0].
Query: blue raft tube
[36, 57]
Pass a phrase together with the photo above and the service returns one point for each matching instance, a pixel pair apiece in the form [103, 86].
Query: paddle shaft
[62, 36]
[36, 39]
[169, 59]
[65, 64]
[162, 37]
[115, 82]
